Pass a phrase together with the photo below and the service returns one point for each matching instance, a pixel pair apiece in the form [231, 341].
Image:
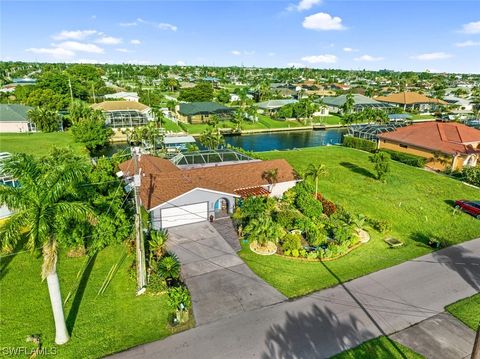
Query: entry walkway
[220, 283]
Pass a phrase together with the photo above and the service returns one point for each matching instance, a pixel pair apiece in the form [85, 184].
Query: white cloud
[468, 43]
[244, 52]
[271, 54]
[137, 62]
[317, 59]
[368, 58]
[109, 40]
[135, 42]
[323, 22]
[180, 63]
[432, 56]
[56, 52]
[122, 49]
[349, 49]
[79, 46]
[471, 28]
[159, 25]
[304, 5]
[236, 52]
[74, 35]
[127, 24]
[295, 64]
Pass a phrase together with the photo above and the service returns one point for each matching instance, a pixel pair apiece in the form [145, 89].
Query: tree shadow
[77, 300]
[459, 260]
[301, 334]
[422, 239]
[6, 258]
[357, 169]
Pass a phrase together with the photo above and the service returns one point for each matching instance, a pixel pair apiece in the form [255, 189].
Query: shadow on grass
[357, 169]
[6, 258]
[77, 300]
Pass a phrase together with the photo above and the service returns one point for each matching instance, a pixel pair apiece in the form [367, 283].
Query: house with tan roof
[412, 101]
[459, 144]
[124, 114]
[176, 196]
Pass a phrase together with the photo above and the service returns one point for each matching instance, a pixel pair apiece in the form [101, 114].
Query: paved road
[330, 321]
[220, 283]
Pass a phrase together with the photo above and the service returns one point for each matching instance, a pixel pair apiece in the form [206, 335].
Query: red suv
[471, 207]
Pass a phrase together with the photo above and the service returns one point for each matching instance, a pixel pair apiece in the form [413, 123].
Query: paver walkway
[220, 283]
[335, 319]
[440, 337]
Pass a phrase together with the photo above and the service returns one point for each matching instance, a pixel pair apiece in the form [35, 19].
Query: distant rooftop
[14, 113]
[198, 108]
[274, 104]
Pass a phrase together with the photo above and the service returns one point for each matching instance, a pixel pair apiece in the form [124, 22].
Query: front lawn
[417, 204]
[467, 310]
[99, 325]
[37, 144]
[379, 348]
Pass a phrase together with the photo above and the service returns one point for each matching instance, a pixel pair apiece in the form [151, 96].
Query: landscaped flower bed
[302, 226]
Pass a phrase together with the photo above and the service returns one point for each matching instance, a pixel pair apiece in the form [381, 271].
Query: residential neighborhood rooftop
[409, 98]
[195, 108]
[14, 112]
[120, 106]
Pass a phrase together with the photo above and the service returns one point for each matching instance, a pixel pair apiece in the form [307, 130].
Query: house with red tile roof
[458, 143]
[176, 196]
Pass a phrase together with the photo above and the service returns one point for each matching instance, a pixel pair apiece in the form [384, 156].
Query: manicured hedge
[359, 143]
[411, 160]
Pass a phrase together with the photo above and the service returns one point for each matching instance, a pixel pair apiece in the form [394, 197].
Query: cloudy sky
[400, 35]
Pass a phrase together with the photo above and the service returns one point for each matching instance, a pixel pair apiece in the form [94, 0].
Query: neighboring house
[341, 87]
[127, 96]
[272, 106]
[200, 112]
[8, 88]
[412, 101]
[462, 103]
[457, 142]
[175, 196]
[335, 104]
[177, 143]
[14, 118]
[6, 180]
[124, 114]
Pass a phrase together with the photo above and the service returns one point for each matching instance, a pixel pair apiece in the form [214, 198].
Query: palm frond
[50, 255]
[11, 231]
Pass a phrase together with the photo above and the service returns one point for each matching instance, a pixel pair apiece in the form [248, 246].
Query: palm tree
[271, 176]
[44, 119]
[263, 229]
[315, 172]
[211, 138]
[349, 104]
[40, 204]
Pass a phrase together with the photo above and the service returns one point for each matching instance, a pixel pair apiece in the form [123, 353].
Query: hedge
[411, 160]
[359, 143]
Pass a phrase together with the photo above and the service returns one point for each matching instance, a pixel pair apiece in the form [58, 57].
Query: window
[403, 146]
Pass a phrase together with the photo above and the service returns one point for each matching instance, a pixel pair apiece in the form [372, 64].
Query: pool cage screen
[370, 131]
[128, 118]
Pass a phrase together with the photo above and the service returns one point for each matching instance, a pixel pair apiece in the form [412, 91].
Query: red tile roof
[162, 181]
[409, 98]
[252, 191]
[449, 138]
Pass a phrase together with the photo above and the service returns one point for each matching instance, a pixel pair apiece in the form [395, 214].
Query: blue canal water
[286, 140]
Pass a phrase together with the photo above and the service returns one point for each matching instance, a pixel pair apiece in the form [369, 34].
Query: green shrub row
[411, 160]
[359, 143]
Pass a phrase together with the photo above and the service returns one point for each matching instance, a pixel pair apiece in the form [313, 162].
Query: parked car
[471, 207]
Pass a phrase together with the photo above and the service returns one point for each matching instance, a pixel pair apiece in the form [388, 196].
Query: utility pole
[139, 243]
[70, 87]
[93, 92]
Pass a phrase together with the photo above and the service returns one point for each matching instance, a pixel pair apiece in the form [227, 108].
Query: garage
[180, 215]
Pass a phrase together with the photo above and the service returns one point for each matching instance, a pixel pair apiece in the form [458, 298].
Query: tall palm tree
[271, 176]
[315, 172]
[40, 204]
[212, 138]
[349, 104]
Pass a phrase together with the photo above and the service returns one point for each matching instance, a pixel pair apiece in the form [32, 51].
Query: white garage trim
[178, 216]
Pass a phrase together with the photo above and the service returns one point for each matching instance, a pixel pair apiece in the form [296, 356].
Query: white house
[14, 118]
[127, 96]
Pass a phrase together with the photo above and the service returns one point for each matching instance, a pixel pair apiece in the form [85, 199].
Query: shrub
[169, 267]
[292, 242]
[342, 233]
[287, 218]
[411, 160]
[329, 207]
[359, 143]
[381, 164]
[156, 283]
[316, 235]
[180, 302]
[295, 253]
[381, 226]
[308, 205]
[471, 175]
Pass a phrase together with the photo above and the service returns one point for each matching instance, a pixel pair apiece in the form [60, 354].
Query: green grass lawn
[423, 117]
[37, 144]
[101, 325]
[328, 120]
[416, 203]
[171, 126]
[379, 348]
[467, 310]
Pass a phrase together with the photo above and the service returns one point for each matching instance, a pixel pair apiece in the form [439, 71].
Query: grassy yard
[37, 144]
[416, 203]
[99, 325]
[423, 117]
[328, 120]
[379, 348]
[467, 310]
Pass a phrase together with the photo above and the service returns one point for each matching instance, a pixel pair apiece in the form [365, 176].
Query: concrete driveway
[220, 283]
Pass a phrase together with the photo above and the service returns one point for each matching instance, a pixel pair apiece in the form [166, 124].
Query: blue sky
[399, 35]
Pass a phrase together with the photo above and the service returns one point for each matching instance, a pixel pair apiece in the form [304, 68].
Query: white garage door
[177, 216]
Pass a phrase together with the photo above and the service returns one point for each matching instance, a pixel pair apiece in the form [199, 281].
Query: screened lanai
[209, 158]
[370, 131]
[127, 118]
